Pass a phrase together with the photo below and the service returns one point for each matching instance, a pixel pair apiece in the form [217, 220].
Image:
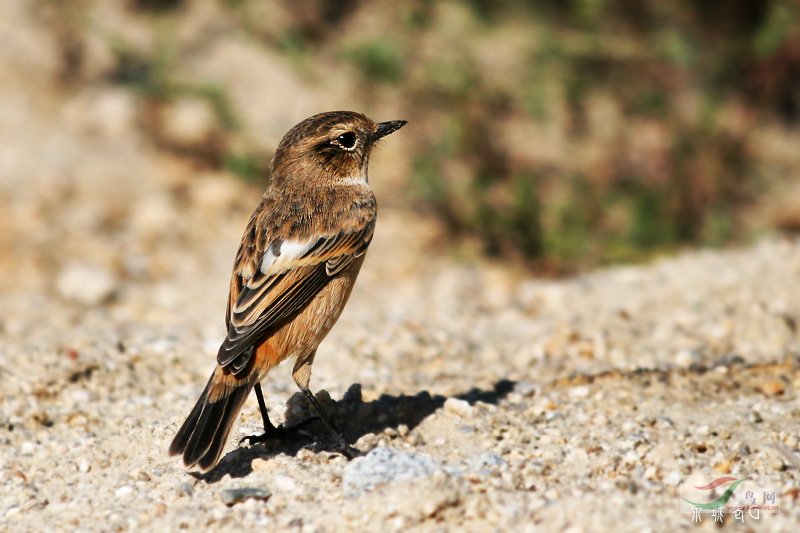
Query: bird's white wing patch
[283, 255]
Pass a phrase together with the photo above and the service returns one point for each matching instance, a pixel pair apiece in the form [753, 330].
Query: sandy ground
[479, 397]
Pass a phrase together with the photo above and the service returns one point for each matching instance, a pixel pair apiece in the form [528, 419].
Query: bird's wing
[274, 280]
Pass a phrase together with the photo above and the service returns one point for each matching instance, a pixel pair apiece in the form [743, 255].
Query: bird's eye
[346, 140]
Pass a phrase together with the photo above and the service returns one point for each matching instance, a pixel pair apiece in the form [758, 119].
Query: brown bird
[294, 271]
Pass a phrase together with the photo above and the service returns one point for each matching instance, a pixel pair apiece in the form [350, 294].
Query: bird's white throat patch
[357, 179]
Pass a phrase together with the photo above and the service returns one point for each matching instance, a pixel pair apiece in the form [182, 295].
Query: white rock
[27, 448]
[153, 217]
[124, 491]
[685, 358]
[80, 396]
[284, 484]
[579, 392]
[85, 284]
[110, 112]
[458, 407]
[189, 121]
[386, 465]
[673, 478]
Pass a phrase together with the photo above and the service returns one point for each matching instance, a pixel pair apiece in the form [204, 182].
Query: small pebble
[124, 491]
[458, 407]
[673, 478]
[27, 448]
[233, 496]
[743, 450]
[687, 358]
[525, 388]
[284, 484]
[186, 488]
[85, 284]
[366, 442]
[485, 463]
[773, 387]
[579, 392]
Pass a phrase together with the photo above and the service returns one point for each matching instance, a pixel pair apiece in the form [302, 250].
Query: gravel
[495, 414]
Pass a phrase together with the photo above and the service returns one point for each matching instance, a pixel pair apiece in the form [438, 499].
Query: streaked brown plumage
[294, 271]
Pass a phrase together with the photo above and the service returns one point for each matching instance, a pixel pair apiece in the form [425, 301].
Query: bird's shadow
[354, 417]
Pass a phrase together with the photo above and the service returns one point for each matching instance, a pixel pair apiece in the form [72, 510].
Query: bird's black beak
[385, 128]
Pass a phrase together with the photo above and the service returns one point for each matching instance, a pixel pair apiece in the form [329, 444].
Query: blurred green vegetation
[377, 60]
[562, 133]
[682, 69]
[152, 76]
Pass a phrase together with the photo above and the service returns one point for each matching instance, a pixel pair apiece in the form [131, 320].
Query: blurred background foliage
[562, 134]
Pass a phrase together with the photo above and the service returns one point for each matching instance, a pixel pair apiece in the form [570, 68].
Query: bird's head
[332, 146]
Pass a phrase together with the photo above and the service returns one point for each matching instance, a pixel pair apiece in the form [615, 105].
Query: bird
[293, 273]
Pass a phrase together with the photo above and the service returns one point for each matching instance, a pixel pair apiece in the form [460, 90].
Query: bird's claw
[281, 432]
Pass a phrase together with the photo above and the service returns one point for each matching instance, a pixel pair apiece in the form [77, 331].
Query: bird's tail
[204, 433]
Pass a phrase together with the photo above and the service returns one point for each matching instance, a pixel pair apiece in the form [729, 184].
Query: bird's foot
[340, 445]
[348, 451]
[280, 433]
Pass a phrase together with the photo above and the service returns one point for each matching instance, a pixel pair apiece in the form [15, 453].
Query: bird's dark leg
[335, 433]
[268, 425]
[270, 431]
[341, 444]
[302, 376]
